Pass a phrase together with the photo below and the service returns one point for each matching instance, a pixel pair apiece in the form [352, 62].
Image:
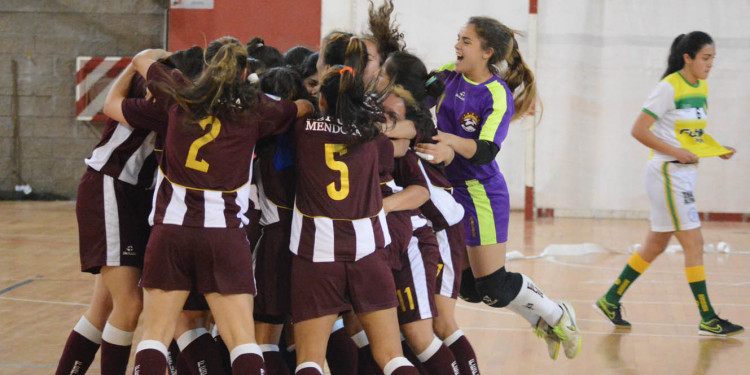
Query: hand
[440, 151]
[685, 156]
[729, 155]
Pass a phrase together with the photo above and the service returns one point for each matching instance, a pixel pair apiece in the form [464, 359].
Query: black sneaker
[719, 327]
[612, 312]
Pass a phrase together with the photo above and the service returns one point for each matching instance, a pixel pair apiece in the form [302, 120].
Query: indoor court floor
[43, 294]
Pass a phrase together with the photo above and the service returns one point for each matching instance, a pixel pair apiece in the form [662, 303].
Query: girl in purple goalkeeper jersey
[472, 118]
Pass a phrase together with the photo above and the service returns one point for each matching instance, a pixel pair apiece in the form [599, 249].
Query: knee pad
[468, 290]
[499, 288]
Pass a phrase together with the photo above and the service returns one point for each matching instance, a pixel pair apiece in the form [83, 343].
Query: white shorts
[670, 191]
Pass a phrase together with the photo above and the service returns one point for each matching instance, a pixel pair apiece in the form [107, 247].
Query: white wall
[597, 62]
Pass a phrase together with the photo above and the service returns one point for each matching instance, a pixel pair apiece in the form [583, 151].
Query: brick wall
[44, 37]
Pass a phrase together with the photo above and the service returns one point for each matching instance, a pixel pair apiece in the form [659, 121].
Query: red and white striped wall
[94, 76]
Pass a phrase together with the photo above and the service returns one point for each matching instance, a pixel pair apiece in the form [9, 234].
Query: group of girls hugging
[243, 200]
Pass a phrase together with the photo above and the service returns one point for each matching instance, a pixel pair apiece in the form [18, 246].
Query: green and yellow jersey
[680, 109]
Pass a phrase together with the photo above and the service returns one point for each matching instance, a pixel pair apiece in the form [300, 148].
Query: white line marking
[42, 301]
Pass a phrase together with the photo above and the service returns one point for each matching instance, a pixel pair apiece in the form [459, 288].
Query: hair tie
[346, 69]
[430, 81]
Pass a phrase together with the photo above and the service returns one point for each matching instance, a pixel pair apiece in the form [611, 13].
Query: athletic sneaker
[612, 312]
[719, 327]
[567, 331]
[544, 331]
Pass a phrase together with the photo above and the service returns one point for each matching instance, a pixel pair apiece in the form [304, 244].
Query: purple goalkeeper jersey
[474, 111]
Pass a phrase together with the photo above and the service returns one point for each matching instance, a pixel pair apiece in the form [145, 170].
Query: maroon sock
[366, 363]
[223, 354]
[442, 362]
[174, 357]
[77, 356]
[275, 364]
[341, 353]
[308, 371]
[290, 357]
[201, 356]
[465, 357]
[114, 358]
[409, 354]
[248, 364]
[149, 362]
[406, 370]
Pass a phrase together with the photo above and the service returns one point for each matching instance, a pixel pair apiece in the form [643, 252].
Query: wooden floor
[43, 294]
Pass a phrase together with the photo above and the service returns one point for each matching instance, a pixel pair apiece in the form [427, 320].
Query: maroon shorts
[253, 228]
[452, 253]
[112, 222]
[400, 230]
[273, 272]
[415, 282]
[204, 260]
[195, 302]
[325, 288]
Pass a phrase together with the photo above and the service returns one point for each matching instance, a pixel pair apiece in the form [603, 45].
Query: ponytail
[433, 86]
[220, 88]
[517, 75]
[689, 43]
[344, 93]
[383, 32]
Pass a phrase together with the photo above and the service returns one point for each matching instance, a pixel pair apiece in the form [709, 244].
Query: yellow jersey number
[409, 299]
[343, 190]
[192, 161]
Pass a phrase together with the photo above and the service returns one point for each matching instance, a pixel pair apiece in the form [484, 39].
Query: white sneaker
[543, 330]
[567, 331]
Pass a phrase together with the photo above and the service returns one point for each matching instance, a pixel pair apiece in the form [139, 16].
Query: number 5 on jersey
[192, 161]
[340, 166]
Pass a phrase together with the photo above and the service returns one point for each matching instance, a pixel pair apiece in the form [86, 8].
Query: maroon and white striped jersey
[338, 213]
[125, 153]
[408, 172]
[206, 182]
[276, 176]
[441, 210]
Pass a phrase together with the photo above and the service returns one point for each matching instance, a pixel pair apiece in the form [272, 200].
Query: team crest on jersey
[470, 122]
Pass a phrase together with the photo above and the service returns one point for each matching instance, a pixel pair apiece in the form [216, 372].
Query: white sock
[305, 365]
[87, 330]
[525, 313]
[114, 335]
[189, 336]
[269, 348]
[431, 350]
[245, 349]
[394, 364]
[530, 297]
[360, 338]
[152, 344]
[453, 337]
[339, 324]
[214, 331]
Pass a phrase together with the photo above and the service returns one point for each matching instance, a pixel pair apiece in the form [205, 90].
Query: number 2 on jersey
[192, 161]
[331, 151]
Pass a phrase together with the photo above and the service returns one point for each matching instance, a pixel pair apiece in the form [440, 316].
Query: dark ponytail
[689, 43]
[270, 56]
[344, 94]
